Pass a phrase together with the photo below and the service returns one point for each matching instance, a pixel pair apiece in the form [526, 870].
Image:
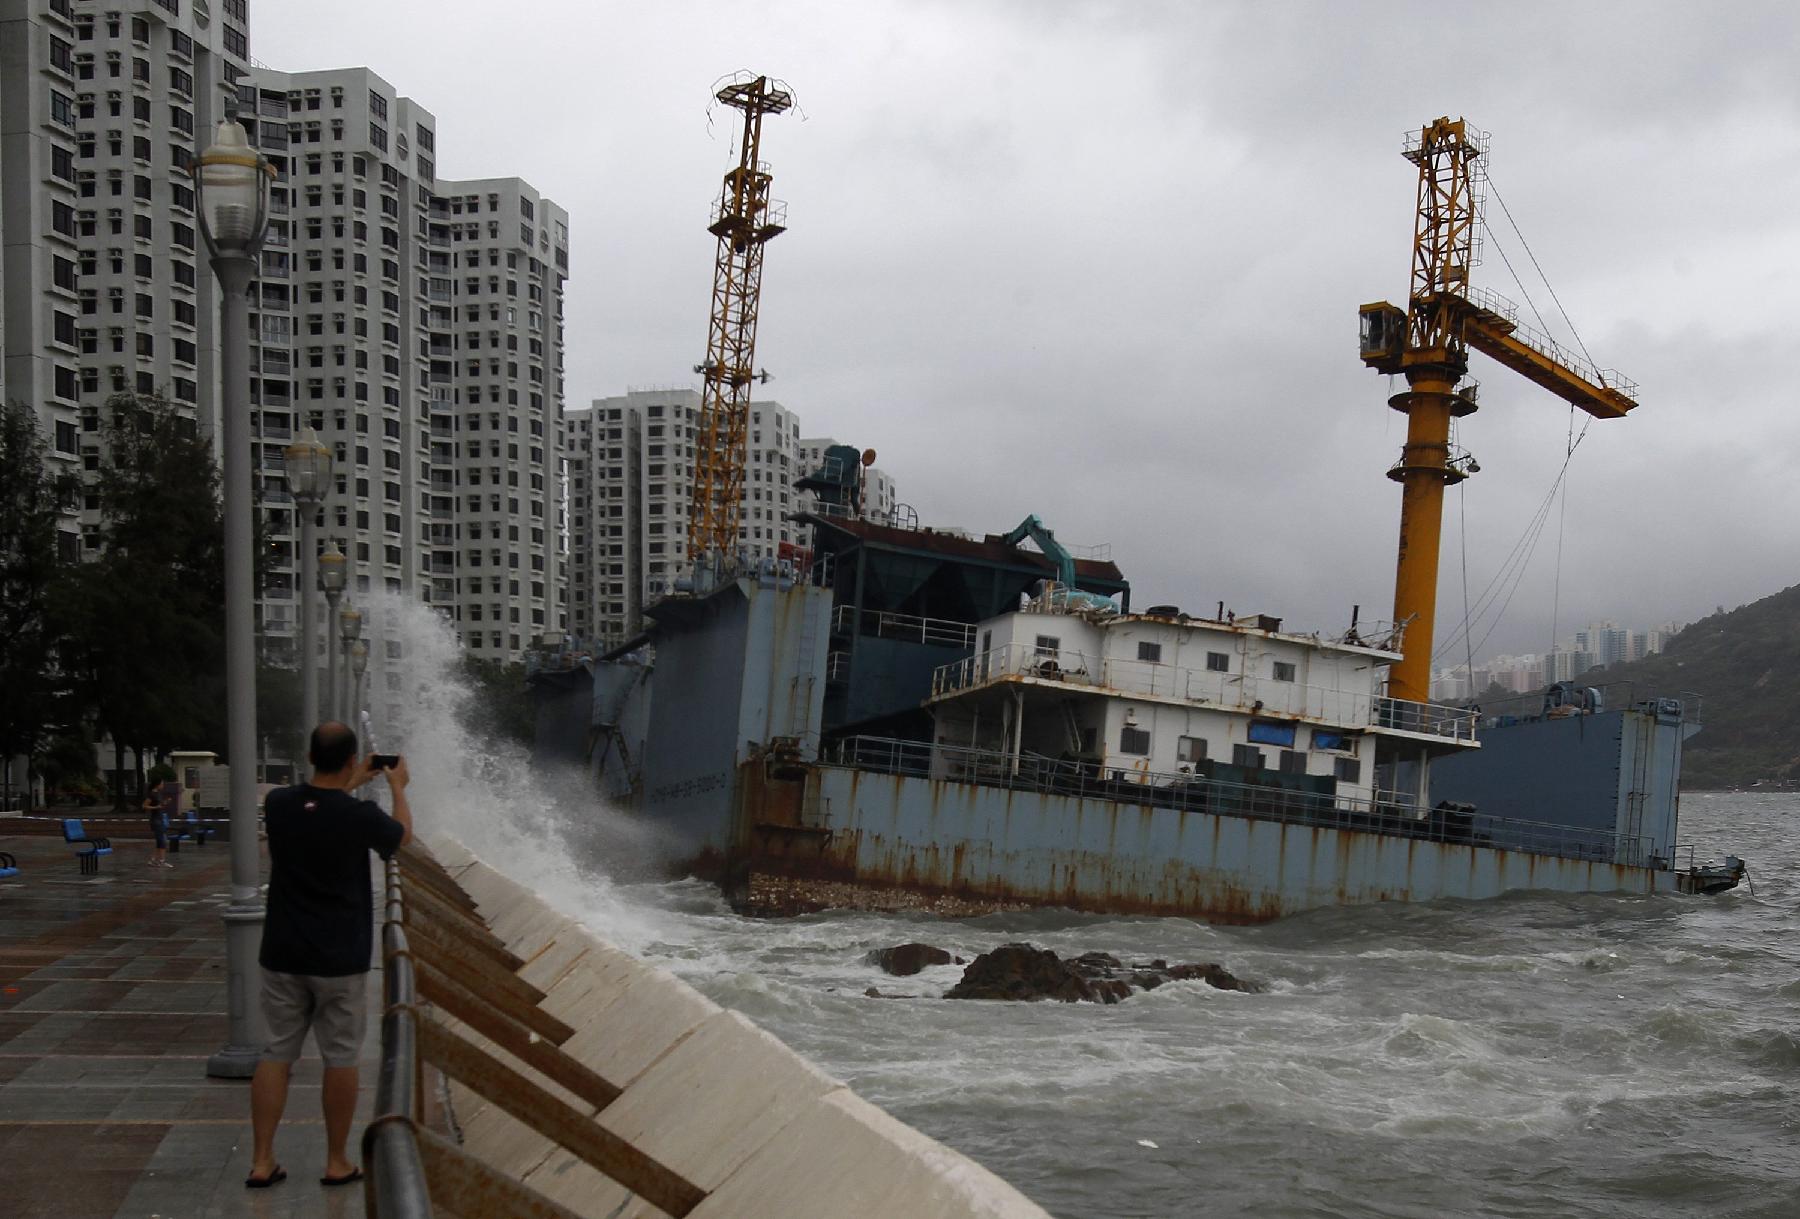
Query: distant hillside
[1745, 665]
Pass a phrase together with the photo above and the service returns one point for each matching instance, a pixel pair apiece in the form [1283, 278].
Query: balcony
[1226, 691]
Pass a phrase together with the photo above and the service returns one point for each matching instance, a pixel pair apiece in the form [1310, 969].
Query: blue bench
[195, 830]
[87, 850]
[9, 865]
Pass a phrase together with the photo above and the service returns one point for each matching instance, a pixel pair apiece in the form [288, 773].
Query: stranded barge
[908, 718]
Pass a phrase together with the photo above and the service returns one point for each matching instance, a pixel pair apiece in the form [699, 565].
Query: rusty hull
[833, 837]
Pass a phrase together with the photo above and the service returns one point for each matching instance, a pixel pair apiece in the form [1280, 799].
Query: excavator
[1064, 593]
[1428, 343]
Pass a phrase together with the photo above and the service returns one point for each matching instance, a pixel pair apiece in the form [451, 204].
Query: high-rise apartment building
[104, 285]
[417, 324]
[631, 463]
[511, 256]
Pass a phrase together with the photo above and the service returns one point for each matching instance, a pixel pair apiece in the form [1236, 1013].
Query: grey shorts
[335, 1009]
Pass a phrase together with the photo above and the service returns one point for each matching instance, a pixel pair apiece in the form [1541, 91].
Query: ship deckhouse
[1164, 698]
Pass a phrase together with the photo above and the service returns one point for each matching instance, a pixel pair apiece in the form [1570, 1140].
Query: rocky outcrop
[904, 960]
[1025, 972]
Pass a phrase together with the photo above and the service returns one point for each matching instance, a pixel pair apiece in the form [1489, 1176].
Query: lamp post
[232, 181]
[308, 465]
[349, 631]
[331, 583]
[359, 664]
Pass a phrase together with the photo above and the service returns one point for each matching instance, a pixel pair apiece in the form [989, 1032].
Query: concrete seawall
[709, 1094]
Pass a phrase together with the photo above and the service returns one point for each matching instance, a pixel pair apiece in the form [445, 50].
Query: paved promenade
[112, 997]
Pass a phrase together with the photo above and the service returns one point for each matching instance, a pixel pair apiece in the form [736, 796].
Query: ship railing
[1684, 705]
[1278, 797]
[939, 632]
[1230, 691]
[455, 1008]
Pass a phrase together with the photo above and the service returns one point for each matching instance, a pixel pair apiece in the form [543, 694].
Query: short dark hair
[333, 745]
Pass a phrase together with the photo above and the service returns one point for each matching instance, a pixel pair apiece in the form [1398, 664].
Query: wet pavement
[112, 998]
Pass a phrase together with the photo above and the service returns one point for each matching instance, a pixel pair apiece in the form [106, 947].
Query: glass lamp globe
[230, 192]
[307, 463]
[350, 623]
[359, 658]
[331, 570]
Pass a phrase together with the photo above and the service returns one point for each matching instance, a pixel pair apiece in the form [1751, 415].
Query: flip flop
[274, 1178]
[349, 1178]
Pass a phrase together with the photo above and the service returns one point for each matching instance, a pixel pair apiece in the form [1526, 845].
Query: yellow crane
[1429, 343]
[744, 221]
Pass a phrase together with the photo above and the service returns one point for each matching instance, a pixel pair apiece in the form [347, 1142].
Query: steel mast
[1429, 343]
[744, 220]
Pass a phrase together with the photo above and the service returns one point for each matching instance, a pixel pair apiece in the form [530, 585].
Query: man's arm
[397, 778]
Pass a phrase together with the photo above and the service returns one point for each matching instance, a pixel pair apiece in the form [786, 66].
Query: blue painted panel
[1096, 854]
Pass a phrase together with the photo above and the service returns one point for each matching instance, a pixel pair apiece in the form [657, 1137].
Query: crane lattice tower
[744, 221]
[1428, 342]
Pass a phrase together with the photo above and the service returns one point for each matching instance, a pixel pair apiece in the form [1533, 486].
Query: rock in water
[1019, 971]
[904, 960]
[1213, 975]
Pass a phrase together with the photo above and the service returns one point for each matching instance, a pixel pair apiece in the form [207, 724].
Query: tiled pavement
[112, 997]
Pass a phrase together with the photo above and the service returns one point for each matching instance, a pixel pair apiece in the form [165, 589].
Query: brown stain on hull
[791, 869]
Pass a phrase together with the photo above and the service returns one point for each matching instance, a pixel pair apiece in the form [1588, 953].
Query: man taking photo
[318, 936]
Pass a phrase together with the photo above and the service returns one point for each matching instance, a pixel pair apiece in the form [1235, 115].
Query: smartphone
[384, 761]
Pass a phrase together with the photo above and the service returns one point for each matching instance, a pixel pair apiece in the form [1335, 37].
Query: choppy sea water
[1537, 1055]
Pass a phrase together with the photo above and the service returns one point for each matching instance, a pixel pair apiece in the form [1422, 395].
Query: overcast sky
[1102, 262]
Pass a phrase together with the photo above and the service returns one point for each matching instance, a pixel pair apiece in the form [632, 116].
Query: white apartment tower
[511, 257]
[104, 285]
[424, 342]
[416, 324]
[631, 471]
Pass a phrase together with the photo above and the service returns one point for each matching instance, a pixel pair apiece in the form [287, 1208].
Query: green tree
[145, 617]
[32, 495]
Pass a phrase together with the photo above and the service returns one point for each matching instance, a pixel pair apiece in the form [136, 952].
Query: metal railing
[1279, 798]
[1614, 696]
[441, 960]
[1232, 691]
[941, 632]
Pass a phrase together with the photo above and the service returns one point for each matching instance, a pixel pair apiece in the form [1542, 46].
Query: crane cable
[1495, 191]
[1533, 530]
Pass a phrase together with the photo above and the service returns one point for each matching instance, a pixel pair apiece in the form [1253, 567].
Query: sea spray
[545, 827]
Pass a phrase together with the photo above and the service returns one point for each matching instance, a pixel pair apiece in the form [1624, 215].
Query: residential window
[1151, 652]
[1283, 670]
[1346, 770]
[1343, 742]
[1190, 749]
[1047, 646]
[1134, 740]
[1247, 756]
[1271, 732]
[1218, 662]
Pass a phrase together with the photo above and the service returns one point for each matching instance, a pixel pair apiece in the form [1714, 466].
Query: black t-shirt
[320, 915]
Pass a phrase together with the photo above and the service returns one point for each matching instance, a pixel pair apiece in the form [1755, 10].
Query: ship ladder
[1638, 794]
[800, 708]
[1073, 723]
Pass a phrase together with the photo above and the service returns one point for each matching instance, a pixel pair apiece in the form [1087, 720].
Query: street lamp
[307, 463]
[359, 664]
[331, 583]
[232, 182]
[349, 630]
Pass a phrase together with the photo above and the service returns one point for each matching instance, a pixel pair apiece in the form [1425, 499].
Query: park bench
[196, 830]
[9, 864]
[87, 850]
